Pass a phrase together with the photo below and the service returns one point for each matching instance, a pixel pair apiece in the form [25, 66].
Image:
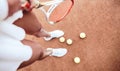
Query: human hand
[15, 5]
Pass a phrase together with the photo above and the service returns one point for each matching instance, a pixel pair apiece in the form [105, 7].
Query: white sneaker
[58, 52]
[54, 34]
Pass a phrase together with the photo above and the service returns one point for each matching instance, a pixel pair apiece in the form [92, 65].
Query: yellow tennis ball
[82, 35]
[62, 39]
[69, 41]
[77, 60]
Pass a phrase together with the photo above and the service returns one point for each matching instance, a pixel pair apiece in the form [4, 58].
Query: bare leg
[39, 53]
[49, 35]
[42, 33]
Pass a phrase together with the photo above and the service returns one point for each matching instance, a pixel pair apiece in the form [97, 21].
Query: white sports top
[12, 51]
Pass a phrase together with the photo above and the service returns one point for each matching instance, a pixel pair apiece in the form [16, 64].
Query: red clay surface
[100, 51]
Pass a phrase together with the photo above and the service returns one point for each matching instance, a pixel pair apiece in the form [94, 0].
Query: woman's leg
[42, 33]
[38, 53]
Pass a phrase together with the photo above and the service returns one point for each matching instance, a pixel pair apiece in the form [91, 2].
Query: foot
[58, 52]
[54, 34]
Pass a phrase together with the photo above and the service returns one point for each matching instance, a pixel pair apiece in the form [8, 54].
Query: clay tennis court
[99, 51]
